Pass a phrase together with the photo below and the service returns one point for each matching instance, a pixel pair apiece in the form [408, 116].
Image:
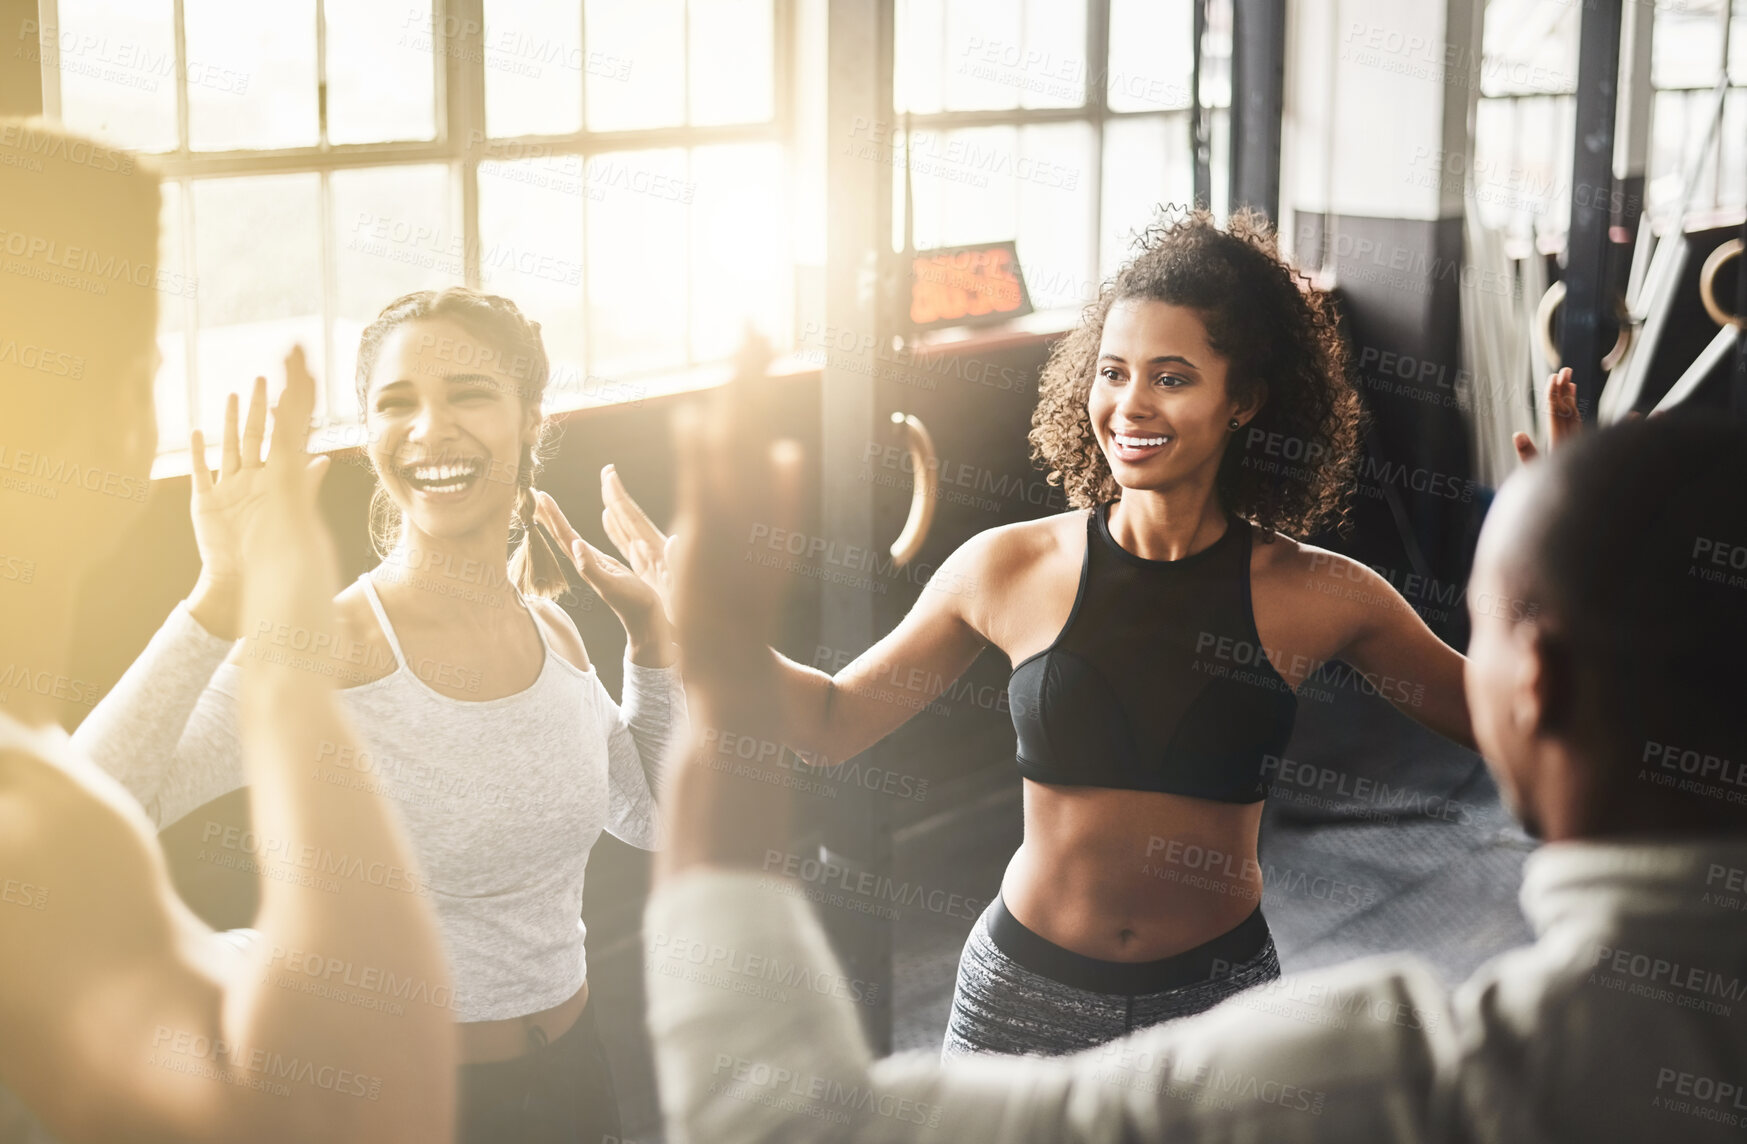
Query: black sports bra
[1158, 681]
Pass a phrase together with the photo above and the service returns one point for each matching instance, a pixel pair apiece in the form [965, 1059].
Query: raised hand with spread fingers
[264, 513]
[223, 504]
[1562, 420]
[631, 595]
[649, 550]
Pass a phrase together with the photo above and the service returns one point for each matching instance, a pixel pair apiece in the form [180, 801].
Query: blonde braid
[534, 567]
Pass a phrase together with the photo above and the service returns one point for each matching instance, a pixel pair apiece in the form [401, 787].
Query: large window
[1523, 135]
[619, 169]
[632, 173]
[1062, 124]
[1685, 64]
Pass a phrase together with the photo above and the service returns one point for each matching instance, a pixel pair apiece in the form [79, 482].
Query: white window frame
[1096, 113]
[458, 65]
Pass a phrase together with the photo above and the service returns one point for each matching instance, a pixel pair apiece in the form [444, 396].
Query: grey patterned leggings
[1017, 992]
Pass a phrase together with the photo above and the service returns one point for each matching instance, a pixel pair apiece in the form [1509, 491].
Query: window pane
[1689, 137]
[1686, 49]
[1218, 162]
[637, 221]
[985, 54]
[170, 390]
[740, 254]
[1215, 58]
[257, 246]
[396, 230]
[1055, 214]
[920, 55]
[1015, 53]
[732, 75]
[1494, 134]
[636, 76]
[380, 71]
[964, 186]
[1146, 164]
[174, 281]
[1670, 114]
[533, 67]
[117, 60]
[1151, 54]
[1530, 46]
[1540, 174]
[530, 250]
[1738, 44]
[1732, 184]
[810, 142]
[991, 184]
[251, 74]
[1055, 45]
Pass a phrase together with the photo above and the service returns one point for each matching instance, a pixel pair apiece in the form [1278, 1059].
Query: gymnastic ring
[1550, 303]
[925, 464]
[1707, 285]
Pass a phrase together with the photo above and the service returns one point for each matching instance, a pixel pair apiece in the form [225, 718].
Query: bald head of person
[1608, 664]
[80, 284]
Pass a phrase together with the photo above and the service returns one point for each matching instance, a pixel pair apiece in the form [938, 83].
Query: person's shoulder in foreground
[122, 1015]
[1604, 669]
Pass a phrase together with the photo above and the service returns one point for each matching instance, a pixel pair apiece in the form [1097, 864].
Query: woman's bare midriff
[1125, 875]
[505, 1040]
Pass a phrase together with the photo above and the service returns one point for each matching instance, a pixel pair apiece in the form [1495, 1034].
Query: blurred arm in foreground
[122, 1016]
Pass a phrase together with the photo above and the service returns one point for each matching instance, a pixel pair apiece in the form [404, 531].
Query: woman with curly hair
[1158, 632]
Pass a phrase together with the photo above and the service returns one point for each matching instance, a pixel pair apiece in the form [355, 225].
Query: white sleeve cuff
[650, 678]
[188, 632]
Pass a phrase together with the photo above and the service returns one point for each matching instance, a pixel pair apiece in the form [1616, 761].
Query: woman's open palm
[272, 513]
[638, 605]
[1563, 422]
[223, 502]
[648, 550]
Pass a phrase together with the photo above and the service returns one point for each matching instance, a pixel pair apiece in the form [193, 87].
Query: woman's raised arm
[830, 713]
[161, 730]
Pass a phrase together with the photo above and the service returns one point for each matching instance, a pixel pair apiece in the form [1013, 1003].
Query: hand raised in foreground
[727, 602]
[734, 478]
[220, 505]
[1562, 420]
[289, 569]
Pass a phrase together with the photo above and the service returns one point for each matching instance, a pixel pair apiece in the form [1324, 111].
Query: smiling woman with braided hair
[480, 712]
